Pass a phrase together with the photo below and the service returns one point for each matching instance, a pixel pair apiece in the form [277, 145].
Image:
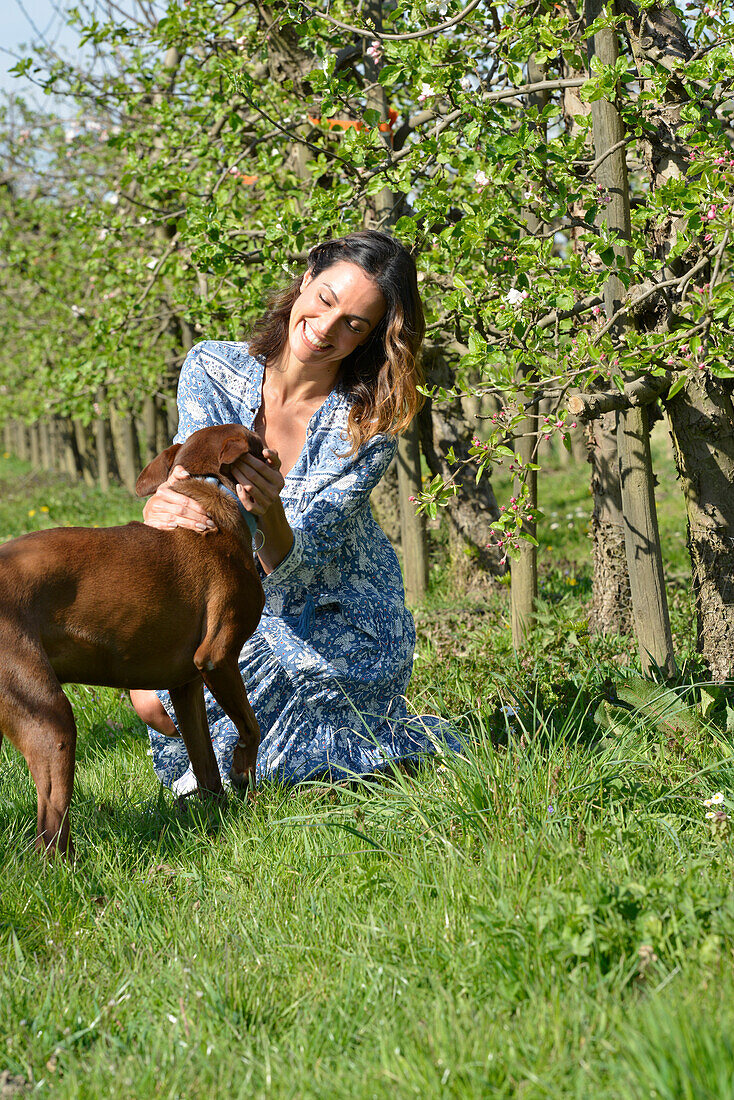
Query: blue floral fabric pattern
[327, 669]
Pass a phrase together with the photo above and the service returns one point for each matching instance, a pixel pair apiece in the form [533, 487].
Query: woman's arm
[167, 508]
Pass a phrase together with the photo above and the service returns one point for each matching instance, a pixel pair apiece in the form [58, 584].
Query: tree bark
[702, 427]
[611, 609]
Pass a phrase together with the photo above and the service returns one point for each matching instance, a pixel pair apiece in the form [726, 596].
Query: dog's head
[210, 452]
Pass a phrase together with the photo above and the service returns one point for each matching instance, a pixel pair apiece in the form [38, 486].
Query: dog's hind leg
[188, 703]
[37, 718]
[225, 684]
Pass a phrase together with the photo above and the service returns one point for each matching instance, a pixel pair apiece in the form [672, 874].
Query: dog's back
[69, 590]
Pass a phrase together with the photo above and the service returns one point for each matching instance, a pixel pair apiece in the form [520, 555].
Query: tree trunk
[171, 419]
[87, 462]
[473, 510]
[385, 504]
[44, 429]
[35, 445]
[701, 413]
[102, 443]
[148, 420]
[162, 438]
[124, 439]
[642, 541]
[23, 446]
[71, 461]
[611, 609]
[702, 426]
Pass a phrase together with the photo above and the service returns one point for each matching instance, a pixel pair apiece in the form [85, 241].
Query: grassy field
[548, 914]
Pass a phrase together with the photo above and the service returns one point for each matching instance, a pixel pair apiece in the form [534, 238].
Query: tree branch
[373, 32]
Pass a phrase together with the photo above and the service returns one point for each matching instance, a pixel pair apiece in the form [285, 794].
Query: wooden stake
[642, 543]
[412, 526]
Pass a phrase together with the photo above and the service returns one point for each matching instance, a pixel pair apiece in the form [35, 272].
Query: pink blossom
[596, 310]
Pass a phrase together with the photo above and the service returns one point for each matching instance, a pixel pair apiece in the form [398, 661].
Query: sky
[25, 21]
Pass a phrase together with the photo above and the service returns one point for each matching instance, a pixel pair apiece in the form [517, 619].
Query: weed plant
[546, 914]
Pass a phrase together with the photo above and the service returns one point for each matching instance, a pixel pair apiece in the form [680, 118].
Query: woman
[328, 380]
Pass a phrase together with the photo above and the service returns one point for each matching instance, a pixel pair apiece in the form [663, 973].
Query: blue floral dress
[327, 669]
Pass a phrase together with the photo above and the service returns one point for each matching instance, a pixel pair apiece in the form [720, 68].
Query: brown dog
[131, 607]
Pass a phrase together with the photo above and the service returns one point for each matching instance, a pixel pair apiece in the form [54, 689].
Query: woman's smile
[311, 337]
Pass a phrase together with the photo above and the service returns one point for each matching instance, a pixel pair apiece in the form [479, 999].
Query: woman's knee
[148, 706]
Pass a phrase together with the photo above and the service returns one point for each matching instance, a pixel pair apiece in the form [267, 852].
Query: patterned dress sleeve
[319, 531]
[198, 403]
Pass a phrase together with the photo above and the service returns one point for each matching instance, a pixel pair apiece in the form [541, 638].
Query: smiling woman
[328, 381]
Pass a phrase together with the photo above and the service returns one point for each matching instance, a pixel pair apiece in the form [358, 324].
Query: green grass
[548, 914]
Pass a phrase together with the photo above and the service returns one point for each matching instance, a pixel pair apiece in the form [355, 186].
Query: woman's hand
[259, 483]
[167, 508]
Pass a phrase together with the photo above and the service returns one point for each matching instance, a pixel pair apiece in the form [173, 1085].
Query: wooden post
[642, 543]
[642, 540]
[524, 567]
[412, 526]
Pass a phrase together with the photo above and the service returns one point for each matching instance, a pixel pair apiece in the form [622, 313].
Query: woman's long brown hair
[383, 374]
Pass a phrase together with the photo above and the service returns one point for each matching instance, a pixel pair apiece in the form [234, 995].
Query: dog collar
[247, 516]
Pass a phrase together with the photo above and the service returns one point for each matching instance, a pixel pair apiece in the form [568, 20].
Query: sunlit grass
[546, 914]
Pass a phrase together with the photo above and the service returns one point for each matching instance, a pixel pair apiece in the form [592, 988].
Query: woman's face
[335, 312]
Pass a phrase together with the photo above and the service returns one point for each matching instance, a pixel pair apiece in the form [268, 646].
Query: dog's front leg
[188, 703]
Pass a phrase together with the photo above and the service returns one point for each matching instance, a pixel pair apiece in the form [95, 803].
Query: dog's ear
[157, 471]
[233, 448]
